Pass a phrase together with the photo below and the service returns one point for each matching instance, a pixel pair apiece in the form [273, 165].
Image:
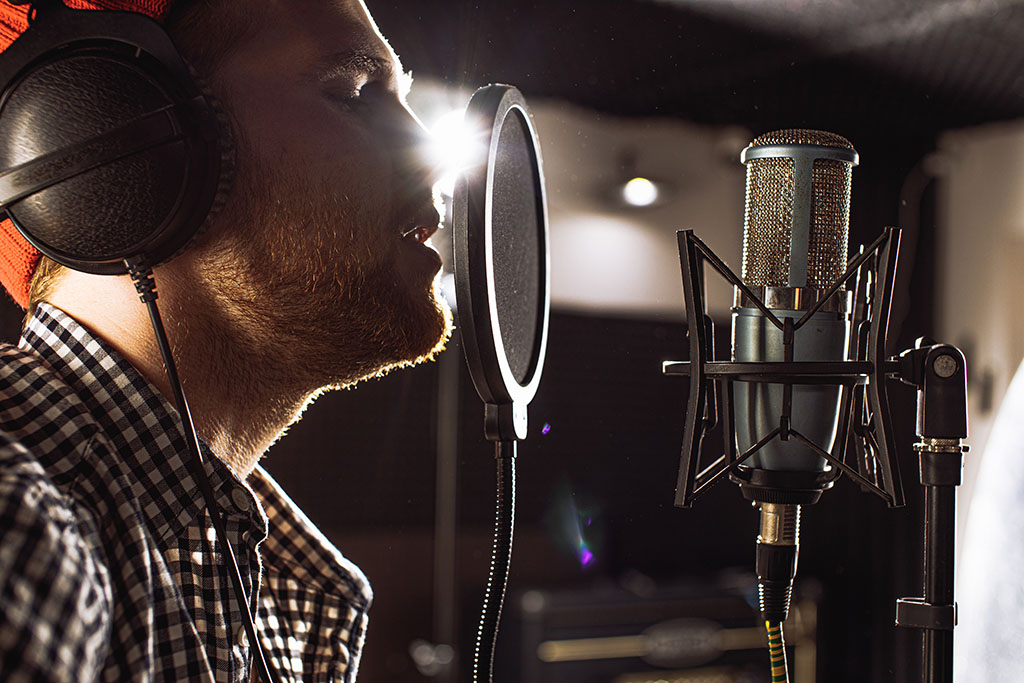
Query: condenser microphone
[795, 235]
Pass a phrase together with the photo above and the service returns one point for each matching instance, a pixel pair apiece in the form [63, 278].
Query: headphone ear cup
[225, 167]
[136, 201]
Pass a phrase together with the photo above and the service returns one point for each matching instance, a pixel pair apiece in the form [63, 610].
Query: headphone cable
[142, 276]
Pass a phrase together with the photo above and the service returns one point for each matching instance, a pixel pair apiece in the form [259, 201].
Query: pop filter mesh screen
[516, 245]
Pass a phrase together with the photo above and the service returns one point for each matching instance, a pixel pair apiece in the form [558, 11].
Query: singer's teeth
[420, 234]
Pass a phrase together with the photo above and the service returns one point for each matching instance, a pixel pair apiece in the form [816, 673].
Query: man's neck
[238, 402]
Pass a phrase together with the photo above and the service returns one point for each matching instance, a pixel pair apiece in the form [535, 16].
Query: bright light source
[448, 290]
[453, 148]
[640, 192]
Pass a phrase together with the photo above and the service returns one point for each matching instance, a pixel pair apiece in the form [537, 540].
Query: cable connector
[142, 276]
[778, 547]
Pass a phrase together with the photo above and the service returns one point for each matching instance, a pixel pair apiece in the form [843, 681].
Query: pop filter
[502, 287]
[502, 268]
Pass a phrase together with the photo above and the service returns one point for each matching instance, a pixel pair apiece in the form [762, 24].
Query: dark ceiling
[886, 69]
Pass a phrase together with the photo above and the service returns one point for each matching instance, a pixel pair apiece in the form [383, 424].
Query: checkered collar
[143, 427]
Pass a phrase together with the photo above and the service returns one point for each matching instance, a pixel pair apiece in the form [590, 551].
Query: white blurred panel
[980, 265]
[612, 257]
[978, 296]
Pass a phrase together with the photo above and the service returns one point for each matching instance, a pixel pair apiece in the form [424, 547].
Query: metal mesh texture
[767, 222]
[768, 216]
[830, 223]
[801, 136]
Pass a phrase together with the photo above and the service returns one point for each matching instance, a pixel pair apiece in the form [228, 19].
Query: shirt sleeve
[55, 595]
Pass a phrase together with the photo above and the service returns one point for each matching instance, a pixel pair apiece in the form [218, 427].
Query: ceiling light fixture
[640, 192]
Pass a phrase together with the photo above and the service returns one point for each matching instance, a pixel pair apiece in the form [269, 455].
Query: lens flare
[454, 147]
[572, 524]
[545, 429]
[583, 552]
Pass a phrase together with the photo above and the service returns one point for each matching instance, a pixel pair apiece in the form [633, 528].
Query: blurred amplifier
[648, 633]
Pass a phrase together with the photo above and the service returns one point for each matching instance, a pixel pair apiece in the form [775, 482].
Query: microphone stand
[939, 373]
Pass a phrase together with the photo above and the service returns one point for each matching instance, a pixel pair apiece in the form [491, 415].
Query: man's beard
[311, 284]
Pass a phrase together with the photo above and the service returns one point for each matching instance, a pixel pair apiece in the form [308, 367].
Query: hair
[204, 40]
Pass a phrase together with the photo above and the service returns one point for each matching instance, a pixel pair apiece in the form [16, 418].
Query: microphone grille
[801, 136]
[772, 200]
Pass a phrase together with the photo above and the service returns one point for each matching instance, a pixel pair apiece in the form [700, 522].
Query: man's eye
[347, 101]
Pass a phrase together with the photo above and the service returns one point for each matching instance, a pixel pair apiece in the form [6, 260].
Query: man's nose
[414, 160]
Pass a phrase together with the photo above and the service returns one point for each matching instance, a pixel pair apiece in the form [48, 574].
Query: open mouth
[424, 225]
[420, 233]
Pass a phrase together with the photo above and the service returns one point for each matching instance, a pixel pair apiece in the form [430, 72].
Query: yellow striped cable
[777, 652]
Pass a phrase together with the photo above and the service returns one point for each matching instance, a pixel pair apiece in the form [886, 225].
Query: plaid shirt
[109, 566]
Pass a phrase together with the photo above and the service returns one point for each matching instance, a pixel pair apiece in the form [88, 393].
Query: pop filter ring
[505, 396]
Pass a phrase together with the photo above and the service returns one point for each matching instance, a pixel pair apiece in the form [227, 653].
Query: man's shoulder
[44, 532]
[49, 572]
[35, 506]
[24, 481]
[16, 361]
[23, 369]
[39, 409]
[28, 384]
[47, 444]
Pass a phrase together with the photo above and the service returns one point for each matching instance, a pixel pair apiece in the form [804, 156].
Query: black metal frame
[863, 402]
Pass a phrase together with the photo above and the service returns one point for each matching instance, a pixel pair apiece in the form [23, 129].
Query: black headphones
[109, 149]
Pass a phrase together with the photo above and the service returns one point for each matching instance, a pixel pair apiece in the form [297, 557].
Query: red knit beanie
[18, 259]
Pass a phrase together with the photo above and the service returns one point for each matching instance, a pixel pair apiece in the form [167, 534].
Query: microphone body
[795, 238]
[815, 408]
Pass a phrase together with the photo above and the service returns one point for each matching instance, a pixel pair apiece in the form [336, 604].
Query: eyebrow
[358, 63]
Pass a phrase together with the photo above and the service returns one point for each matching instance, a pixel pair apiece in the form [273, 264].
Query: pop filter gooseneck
[502, 278]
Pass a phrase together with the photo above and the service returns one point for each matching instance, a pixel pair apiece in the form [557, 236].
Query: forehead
[313, 35]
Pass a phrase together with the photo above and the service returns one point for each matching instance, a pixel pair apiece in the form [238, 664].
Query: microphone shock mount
[863, 448]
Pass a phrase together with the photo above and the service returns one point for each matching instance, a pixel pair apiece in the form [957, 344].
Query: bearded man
[313, 275]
